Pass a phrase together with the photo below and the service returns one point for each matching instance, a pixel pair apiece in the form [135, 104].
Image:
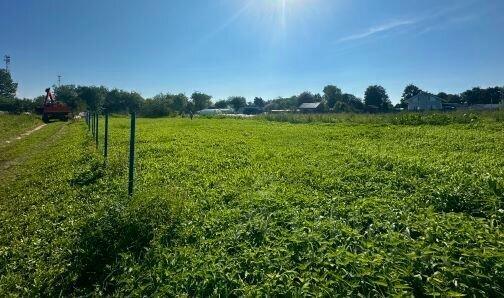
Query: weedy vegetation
[236, 207]
[402, 118]
[13, 125]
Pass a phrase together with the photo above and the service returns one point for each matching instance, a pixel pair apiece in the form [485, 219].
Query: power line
[7, 60]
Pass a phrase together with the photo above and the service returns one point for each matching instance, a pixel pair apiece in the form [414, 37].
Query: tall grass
[404, 118]
[13, 125]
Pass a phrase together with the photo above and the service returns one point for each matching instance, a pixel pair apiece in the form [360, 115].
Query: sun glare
[279, 11]
[282, 11]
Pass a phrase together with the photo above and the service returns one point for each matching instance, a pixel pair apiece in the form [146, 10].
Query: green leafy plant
[235, 207]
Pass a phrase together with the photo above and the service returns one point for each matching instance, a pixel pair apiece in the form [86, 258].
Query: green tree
[133, 101]
[121, 101]
[179, 103]
[164, 104]
[153, 108]
[332, 94]
[237, 102]
[190, 107]
[8, 88]
[410, 91]
[8, 104]
[376, 97]
[472, 96]
[115, 101]
[305, 97]
[221, 104]
[201, 101]
[492, 95]
[443, 96]
[282, 104]
[93, 96]
[17, 105]
[352, 102]
[450, 98]
[259, 102]
[39, 101]
[68, 95]
[166, 101]
[158, 106]
[478, 95]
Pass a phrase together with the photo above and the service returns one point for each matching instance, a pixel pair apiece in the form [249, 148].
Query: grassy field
[236, 207]
[13, 125]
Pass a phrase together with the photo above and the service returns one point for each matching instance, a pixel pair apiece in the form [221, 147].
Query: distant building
[447, 106]
[281, 111]
[486, 107]
[312, 107]
[425, 102]
[212, 112]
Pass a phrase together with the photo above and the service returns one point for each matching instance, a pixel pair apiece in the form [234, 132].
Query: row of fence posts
[92, 121]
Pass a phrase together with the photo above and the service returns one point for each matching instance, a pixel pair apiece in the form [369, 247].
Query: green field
[235, 207]
[13, 125]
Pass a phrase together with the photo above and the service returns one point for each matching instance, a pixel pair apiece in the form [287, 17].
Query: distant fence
[92, 122]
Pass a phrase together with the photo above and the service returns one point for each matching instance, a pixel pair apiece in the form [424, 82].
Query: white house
[425, 102]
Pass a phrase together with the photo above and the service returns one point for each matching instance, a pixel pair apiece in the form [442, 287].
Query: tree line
[332, 99]
[474, 96]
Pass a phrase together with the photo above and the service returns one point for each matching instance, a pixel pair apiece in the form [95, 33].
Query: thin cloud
[433, 21]
[454, 20]
[375, 30]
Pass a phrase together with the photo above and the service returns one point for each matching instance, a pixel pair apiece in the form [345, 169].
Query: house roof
[310, 105]
[424, 94]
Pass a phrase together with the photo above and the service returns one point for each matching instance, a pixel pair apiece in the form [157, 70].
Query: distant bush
[16, 105]
[433, 119]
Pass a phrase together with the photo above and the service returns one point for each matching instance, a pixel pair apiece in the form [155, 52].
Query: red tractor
[53, 109]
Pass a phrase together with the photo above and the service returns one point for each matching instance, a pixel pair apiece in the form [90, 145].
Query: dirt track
[25, 134]
[16, 152]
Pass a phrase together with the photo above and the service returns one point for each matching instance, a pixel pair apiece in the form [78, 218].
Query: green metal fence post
[105, 148]
[132, 154]
[97, 125]
[93, 124]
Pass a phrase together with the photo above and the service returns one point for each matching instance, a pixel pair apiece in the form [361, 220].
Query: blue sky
[264, 48]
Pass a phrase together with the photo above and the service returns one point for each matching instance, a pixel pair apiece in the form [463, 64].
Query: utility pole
[59, 81]
[7, 60]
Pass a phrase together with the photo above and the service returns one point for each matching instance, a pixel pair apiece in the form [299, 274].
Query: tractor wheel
[45, 117]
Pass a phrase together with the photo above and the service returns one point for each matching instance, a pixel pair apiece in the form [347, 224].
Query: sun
[271, 15]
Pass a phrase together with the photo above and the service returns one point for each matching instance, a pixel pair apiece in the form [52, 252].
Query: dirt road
[15, 152]
[24, 135]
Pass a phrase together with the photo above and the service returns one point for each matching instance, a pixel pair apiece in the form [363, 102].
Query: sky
[264, 48]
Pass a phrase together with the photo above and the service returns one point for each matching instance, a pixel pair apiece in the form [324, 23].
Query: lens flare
[283, 16]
